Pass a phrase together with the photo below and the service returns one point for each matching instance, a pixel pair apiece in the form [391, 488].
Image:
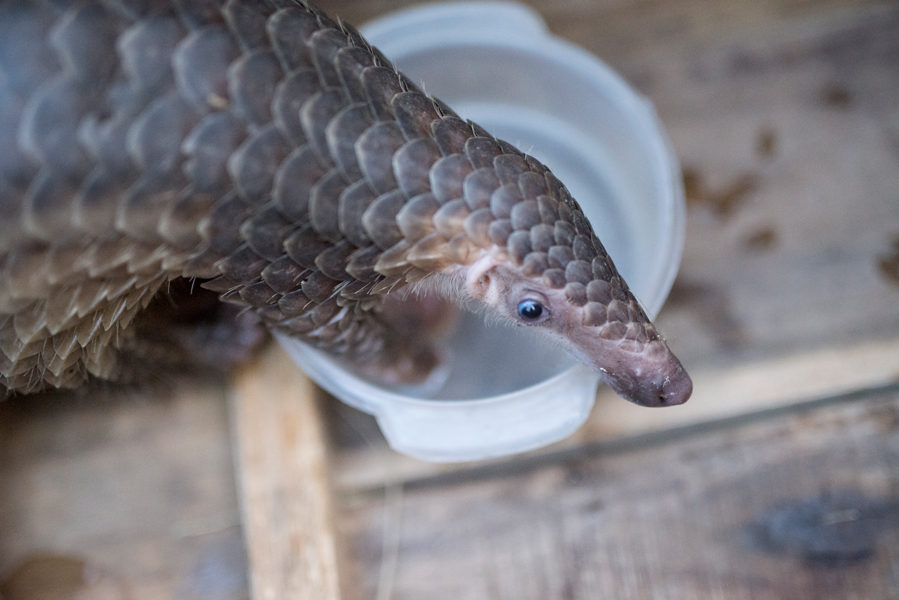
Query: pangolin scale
[269, 152]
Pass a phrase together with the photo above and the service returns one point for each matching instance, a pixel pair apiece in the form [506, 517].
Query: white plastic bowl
[496, 64]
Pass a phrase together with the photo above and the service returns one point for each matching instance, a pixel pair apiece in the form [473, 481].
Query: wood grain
[282, 473]
[794, 507]
[138, 487]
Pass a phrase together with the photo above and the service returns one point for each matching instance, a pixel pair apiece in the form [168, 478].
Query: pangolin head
[548, 270]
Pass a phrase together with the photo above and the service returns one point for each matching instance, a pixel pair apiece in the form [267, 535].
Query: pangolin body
[268, 151]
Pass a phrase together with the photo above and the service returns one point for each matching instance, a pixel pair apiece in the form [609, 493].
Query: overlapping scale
[262, 147]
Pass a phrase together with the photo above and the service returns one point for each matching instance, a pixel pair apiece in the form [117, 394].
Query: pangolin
[265, 151]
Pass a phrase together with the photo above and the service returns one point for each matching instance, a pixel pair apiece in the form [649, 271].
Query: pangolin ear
[478, 278]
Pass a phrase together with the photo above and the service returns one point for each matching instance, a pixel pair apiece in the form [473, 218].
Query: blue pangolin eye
[529, 310]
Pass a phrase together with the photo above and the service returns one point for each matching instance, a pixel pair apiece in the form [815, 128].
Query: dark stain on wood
[888, 265]
[836, 95]
[762, 240]
[694, 187]
[577, 474]
[713, 307]
[766, 143]
[827, 530]
[725, 201]
[58, 577]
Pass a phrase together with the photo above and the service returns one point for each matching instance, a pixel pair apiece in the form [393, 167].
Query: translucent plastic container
[496, 64]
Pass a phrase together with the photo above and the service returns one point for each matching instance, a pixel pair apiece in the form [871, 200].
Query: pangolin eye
[530, 310]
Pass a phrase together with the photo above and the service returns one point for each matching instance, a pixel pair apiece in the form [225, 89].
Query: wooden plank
[132, 494]
[720, 394]
[755, 386]
[800, 506]
[282, 473]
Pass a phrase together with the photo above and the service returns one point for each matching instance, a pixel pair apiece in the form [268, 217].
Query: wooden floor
[779, 479]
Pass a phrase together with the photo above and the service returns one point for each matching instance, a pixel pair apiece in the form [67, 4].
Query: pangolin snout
[650, 381]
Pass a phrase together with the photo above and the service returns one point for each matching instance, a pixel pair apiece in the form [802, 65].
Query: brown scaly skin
[270, 152]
